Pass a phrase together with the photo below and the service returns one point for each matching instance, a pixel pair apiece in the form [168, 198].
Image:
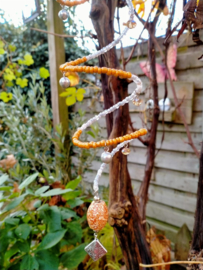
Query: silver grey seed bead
[64, 82]
[106, 157]
[63, 14]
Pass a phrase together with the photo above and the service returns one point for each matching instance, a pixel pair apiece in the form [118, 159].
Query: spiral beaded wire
[73, 66]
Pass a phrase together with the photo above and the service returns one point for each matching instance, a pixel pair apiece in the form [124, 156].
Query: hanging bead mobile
[97, 214]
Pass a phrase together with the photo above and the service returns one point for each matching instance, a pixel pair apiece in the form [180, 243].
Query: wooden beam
[56, 57]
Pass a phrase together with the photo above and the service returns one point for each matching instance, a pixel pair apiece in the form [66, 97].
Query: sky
[14, 8]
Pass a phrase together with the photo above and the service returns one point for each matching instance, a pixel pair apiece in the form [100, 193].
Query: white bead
[63, 14]
[106, 157]
[64, 82]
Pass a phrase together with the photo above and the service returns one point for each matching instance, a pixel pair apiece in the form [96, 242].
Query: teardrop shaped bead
[137, 101]
[97, 215]
[126, 151]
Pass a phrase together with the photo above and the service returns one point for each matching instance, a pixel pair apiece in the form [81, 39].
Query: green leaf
[14, 203]
[74, 233]
[28, 60]
[12, 48]
[71, 195]
[74, 183]
[73, 258]
[44, 73]
[3, 178]
[2, 51]
[29, 263]
[55, 191]
[70, 100]
[91, 134]
[47, 260]
[52, 217]
[22, 82]
[6, 188]
[9, 253]
[23, 246]
[41, 190]
[23, 231]
[75, 202]
[67, 213]
[51, 239]
[28, 180]
[12, 221]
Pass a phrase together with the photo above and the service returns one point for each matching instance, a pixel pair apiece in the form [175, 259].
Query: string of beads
[71, 3]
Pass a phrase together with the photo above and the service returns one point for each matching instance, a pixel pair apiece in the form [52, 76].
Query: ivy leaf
[74, 183]
[29, 262]
[28, 60]
[2, 51]
[74, 257]
[22, 82]
[44, 73]
[23, 231]
[51, 216]
[12, 48]
[51, 239]
[70, 100]
[80, 94]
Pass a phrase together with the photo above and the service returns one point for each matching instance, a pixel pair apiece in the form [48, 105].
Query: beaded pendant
[97, 216]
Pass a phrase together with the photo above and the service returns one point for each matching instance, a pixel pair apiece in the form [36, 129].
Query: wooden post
[56, 58]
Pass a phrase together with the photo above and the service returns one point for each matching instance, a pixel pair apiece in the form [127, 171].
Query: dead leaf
[8, 163]
[73, 77]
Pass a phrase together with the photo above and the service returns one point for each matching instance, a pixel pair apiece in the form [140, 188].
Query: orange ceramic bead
[97, 215]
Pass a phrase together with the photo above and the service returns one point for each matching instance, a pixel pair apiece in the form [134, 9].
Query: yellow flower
[5, 96]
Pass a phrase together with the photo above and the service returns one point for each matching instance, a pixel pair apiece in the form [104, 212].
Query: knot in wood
[119, 213]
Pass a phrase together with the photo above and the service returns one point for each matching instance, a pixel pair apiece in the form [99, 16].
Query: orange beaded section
[73, 66]
[102, 143]
[71, 3]
[97, 215]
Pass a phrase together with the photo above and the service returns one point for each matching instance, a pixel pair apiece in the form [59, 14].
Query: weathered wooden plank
[187, 58]
[178, 161]
[198, 101]
[195, 127]
[181, 181]
[169, 215]
[179, 200]
[184, 90]
[158, 194]
[184, 40]
[192, 75]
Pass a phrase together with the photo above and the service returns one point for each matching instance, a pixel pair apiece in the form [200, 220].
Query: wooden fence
[172, 192]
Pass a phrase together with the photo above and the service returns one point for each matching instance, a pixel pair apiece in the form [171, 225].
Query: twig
[55, 34]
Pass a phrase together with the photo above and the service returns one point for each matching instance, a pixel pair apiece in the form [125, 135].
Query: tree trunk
[196, 252]
[123, 210]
